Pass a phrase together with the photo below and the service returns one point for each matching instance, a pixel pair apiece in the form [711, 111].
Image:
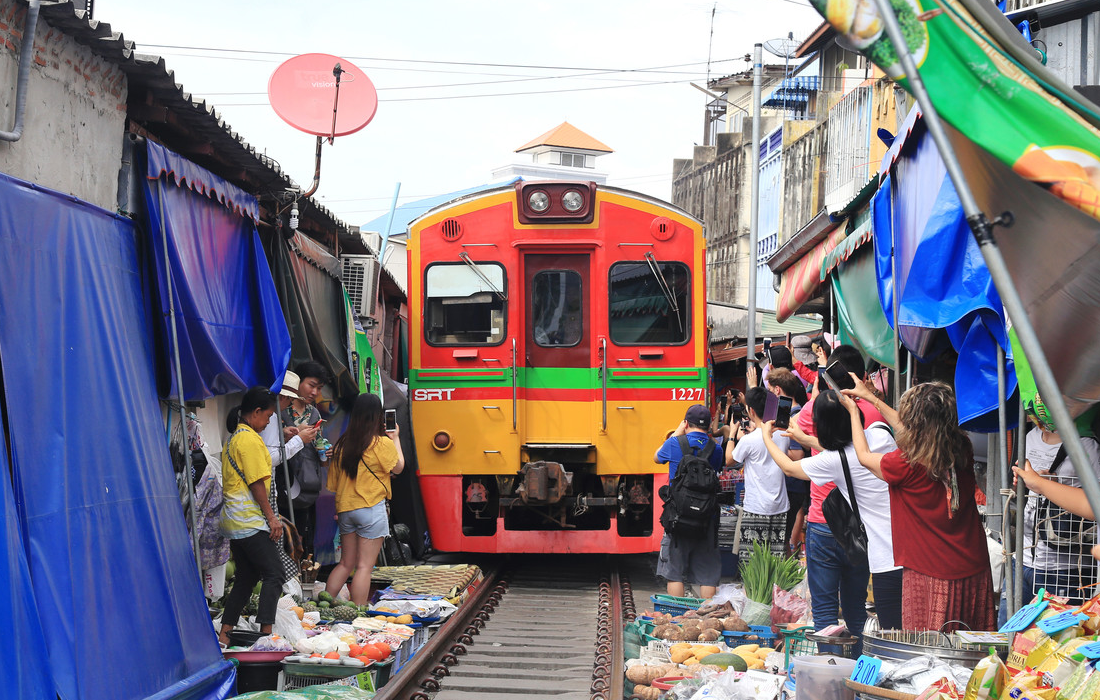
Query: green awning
[859, 313]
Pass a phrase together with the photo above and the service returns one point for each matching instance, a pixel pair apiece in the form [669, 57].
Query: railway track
[532, 631]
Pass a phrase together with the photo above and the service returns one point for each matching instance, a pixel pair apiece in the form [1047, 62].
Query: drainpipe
[26, 57]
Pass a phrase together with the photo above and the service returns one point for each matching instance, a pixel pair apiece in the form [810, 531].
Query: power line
[409, 60]
[495, 94]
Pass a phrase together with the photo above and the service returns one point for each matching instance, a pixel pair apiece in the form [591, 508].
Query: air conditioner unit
[360, 277]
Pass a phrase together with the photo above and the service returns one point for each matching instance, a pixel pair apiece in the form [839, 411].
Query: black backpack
[691, 503]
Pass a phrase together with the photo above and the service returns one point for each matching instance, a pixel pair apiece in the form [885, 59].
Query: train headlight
[572, 201]
[441, 441]
[539, 201]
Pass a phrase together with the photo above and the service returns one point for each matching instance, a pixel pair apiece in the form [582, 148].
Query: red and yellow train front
[558, 335]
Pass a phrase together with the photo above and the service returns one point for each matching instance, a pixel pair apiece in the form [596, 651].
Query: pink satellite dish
[302, 92]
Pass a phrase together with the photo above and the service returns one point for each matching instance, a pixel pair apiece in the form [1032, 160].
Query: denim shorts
[369, 523]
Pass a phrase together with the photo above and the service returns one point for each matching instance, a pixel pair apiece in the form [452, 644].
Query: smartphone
[837, 377]
[391, 419]
[771, 407]
[783, 412]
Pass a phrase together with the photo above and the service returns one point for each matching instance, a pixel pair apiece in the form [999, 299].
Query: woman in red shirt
[938, 535]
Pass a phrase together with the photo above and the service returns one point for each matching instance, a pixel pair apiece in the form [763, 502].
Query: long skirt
[938, 604]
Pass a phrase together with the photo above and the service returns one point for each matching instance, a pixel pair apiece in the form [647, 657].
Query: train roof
[510, 186]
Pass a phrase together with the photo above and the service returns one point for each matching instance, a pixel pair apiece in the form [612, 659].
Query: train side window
[648, 308]
[462, 308]
[557, 319]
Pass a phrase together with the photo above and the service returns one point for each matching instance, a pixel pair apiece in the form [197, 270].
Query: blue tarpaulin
[943, 282]
[114, 579]
[18, 611]
[232, 334]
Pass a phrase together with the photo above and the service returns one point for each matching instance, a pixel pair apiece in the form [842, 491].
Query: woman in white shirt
[834, 437]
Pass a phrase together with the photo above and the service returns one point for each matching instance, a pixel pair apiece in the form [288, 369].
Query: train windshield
[463, 307]
[643, 310]
[556, 312]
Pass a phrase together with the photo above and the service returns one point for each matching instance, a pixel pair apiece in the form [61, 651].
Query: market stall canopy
[942, 281]
[116, 589]
[230, 329]
[307, 278]
[1030, 146]
[851, 267]
[802, 281]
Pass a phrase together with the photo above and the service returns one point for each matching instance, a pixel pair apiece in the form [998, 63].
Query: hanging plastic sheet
[29, 673]
[312, 298]
[231, 330]
[109, 555]
[859, 313]
[942, 280]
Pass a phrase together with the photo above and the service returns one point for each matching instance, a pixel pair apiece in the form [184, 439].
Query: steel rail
[422, 673]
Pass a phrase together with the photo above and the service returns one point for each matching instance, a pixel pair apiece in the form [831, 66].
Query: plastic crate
[404, 653]
[796, 644]
[674, 605]
[761, 634]
[296, 676]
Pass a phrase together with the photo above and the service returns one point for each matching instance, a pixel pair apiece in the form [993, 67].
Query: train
[557, 334]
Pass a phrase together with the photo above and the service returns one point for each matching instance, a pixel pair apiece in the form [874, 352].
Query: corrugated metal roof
[211, 135]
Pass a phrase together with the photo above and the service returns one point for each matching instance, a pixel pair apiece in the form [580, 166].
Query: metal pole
[1021, 501]
[179, 383]
[1002, 434]
[895, 304]
[982, 228]
[286, 467]
[908, 370]
[754, 218]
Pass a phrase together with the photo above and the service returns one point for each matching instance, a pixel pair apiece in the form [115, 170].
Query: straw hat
[290, 385]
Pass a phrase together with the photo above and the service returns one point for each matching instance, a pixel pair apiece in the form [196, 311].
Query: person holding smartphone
[363, 460]
[306, 466]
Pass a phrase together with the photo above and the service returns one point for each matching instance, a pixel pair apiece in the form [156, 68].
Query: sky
[461, 85]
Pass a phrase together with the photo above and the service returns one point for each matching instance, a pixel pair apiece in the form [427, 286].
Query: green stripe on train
[562, 377]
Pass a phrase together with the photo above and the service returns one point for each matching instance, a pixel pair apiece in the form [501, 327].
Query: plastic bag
[943, 689]
[786, 607]
[287, 625]
[272, 642]
[732, 593]
[988, 680]
[756, 613]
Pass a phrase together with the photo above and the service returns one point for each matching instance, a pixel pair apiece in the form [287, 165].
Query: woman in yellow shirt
[359, 473]
[248, 520]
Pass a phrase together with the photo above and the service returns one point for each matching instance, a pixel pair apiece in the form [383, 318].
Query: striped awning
[861, 233]
[802, 281]
[792, 92]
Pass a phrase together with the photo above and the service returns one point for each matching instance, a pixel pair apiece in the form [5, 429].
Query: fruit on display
[726, 660]
[344, 613]
[309, 606]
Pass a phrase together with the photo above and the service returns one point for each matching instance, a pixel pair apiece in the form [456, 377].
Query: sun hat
[290, 385]
[802, 350]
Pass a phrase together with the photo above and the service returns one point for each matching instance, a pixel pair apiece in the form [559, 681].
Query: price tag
[1090, 651]
[1061, 621]
[866, 671]
[1024, 617]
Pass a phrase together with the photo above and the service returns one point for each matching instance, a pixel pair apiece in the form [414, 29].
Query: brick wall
[75, 117]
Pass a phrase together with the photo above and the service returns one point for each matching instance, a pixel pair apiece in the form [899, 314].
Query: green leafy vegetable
[763, 569]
